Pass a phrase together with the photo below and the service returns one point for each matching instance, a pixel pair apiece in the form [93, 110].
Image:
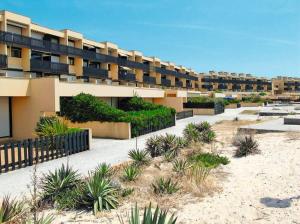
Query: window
[16, 52]
[85, 63]
[71, 61]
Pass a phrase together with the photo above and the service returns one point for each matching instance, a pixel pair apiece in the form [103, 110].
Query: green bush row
[142, 115]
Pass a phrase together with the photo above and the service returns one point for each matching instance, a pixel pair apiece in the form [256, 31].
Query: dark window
[16, 52]
[71, 61]
[85, 63]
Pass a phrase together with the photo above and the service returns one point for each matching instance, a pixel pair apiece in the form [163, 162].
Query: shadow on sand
[278, 203]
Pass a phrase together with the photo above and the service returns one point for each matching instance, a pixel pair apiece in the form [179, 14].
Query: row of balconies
[54, 48]
[231, 81]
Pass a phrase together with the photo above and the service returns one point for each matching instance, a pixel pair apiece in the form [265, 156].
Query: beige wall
[203, 111]
[26, 111]
[14, 87]
[173, 102]
[251, 104]
[117, 130]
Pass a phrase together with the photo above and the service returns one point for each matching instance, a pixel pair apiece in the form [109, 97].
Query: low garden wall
[233, 106]
[116, 130]
[244, 104]
[210, 108]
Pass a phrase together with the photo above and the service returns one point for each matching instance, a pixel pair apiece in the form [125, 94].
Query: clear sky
[261, 37]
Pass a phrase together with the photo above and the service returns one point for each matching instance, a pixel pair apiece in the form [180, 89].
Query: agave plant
[99, 194]
[153, 146]
[191, 134]
[165, 186]
[203, 126]
[247, 145]
[140, 157]
[208, 136]
[131, 172]
[11, 210]
[180, 166]
[104, 170]
[56, 183]
[44, 219]
[169, 156]
[50, 126]
[158, 217]
[170, 144]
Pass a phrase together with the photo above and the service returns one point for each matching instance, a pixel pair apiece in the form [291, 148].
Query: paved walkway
[110, 151]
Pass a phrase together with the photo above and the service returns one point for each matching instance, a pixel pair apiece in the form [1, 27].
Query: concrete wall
[251, 104]
[173, 102]
[116, 130]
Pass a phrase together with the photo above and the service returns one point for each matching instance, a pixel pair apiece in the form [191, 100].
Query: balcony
[189, 85]
[166, 82]
[222, 87]
[3, 61]
[126, 76]
[260, 88]
[178, 84]
[177, 74]
[48, 67]
[249, 88]
[207, 87]
[149, 80]
[96, 73]
[236, 87]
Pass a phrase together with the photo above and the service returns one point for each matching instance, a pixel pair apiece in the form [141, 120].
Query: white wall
[4, 117]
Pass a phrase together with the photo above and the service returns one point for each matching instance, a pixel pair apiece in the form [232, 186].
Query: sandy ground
[262, 188]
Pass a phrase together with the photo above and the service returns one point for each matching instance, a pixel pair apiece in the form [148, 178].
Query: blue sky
[261, 37]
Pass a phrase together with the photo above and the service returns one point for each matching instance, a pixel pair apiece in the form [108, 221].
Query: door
[5, 117]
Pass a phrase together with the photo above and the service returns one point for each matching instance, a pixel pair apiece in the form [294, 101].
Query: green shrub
[169, 156]
[158, 217]
[85, 107]
[140, 157]
[104, 170]
[11, 211]
[201, 99]
[169, 143]
[50, 126]
[55, 184]
[247, 145]
[198, 173]
[203, 126]
[180, 166]
[209, 159]
[99, 194]
[137, 104]
[165, 186]
[130, 173]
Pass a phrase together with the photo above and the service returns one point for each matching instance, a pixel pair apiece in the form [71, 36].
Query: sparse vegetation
[245, 146]
[139, 157]
[165, 186]
[11, 211]
[209, 160]
[104, 170]
[130, 173]
[180, 166]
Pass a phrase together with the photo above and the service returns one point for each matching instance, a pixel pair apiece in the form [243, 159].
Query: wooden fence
[19, 154]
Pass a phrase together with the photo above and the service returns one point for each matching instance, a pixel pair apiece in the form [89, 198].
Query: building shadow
[278, 203]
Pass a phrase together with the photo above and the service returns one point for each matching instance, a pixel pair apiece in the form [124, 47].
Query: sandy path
[262, 188]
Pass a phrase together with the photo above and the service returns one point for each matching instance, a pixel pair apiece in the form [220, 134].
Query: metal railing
[48, 67]
[149, 80]
[97, 73]
[166, 82]
[184, 114]
[178, 84]
[126, 76]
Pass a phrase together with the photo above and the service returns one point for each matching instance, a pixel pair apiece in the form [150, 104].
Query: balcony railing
[174, 73]
[236, 87]
[48, 67]
[189, 85]
[149, 80]
[222, 86]
[208, 87]
[178, 84]
[126, 76]
[96, 73]
[166, 82]
[3, 61]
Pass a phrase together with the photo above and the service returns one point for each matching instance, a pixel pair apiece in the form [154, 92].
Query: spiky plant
[11, 210]
[247, 145]
[44, 219]
[182, 142]
[198, 173]
[54, 184]
[130, 173]
[208, 136]
[140, 157]
[165, 186]
[169, 156]
[191, 134]
[170, 144]
[180, 166]
[203, 126]
[149, 217]
[99, 194]
[153, 146]
[104, 170]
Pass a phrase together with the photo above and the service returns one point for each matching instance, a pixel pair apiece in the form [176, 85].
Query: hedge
[144, 117]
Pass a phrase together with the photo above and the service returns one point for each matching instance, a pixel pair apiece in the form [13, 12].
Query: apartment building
[39, 65]
[233, 82]
[287, 85]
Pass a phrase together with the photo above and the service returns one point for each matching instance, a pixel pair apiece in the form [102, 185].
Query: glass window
[16, 52]
[71, 61]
